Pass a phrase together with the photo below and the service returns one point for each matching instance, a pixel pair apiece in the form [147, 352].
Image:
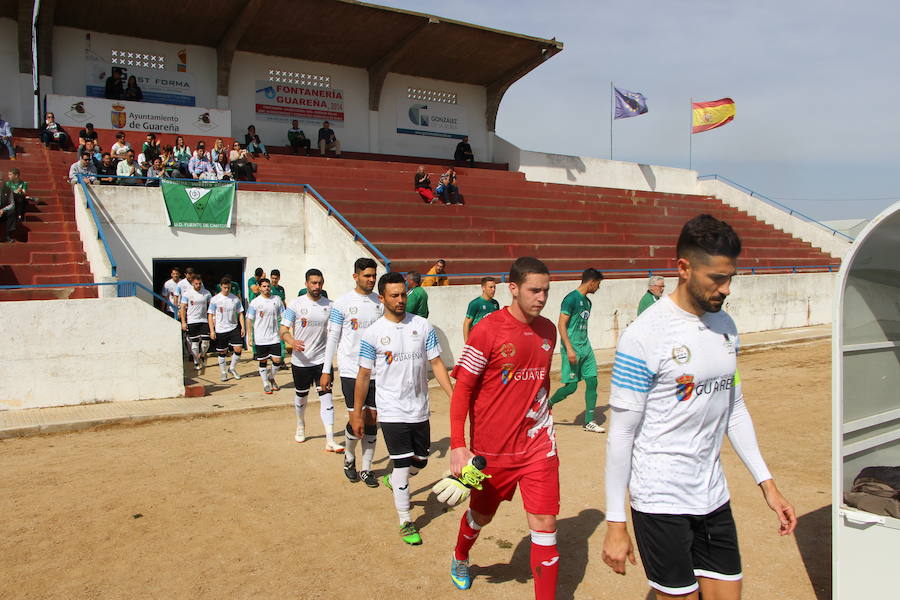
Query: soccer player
[225, 314]
[253, 283]
[502, 386]
[350, 315]
[304, 327]
[264, 313]
[193, 314]
[675, 393]
[171, 290]
[397, 348]
[481, 306]
[186, 284]
[277, 290]
[577, 355]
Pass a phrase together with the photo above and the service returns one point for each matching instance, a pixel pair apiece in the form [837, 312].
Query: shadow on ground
[814, 543]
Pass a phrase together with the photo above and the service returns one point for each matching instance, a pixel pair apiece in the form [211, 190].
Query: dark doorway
[211, 269]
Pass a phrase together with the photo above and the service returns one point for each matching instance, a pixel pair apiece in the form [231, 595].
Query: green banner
[204, 204]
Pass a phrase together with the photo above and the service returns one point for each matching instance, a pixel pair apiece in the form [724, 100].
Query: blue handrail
[784, 207]
[124, 289]
[100, 234]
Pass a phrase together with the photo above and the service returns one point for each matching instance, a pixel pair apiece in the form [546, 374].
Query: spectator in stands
[200, 166]
[7, 218]
[83, 166]
[106, 172]
[435, 275]
[447, 189]
[52, 132]
[130, 169]
[151, 148]
[121, 148]
[254, 144]
[223, 167]
[6, 138]
[96, 156]
[297, 138]
[170, 165]
[114, 88]
[327, 140]
[88, 134]
[182, 153]
[132, 91]
[217, 149]
[463, 153]
[416, 297]
[201, 145]
[656, 285]
[155, 172]
[241, 166]
[422, 184]
[17, 189]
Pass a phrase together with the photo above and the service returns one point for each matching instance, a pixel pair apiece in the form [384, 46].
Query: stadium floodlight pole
[691, 138]
[35, 75]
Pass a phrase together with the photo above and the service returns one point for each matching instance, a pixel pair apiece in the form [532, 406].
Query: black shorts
[676, 549]
[198, 331]
[307, 377]
[407, 443]
[229, 339]
[264, 351]
[348, 386]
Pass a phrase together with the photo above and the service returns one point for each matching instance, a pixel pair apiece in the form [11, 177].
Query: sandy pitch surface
[232, 507]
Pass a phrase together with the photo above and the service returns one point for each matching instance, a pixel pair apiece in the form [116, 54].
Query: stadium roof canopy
[343, 32]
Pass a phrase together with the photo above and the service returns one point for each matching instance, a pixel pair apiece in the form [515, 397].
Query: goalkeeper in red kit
[503, 380]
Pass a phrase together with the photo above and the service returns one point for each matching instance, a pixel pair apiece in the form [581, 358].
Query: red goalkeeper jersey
[502, 385]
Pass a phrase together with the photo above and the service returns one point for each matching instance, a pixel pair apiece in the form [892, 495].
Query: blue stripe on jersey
[432, 340]
[336, 317]
[628, 385]
[251, 312]
[634, 362]
[627, 372]
[366, 350]
[288, 315]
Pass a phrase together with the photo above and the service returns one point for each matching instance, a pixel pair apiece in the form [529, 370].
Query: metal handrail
[784, 207]
[125, 289]
[100, 234]
[503, 275]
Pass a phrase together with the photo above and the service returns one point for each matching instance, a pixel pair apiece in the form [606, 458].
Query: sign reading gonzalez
[432, 118]
[284, 101]
[139, 116]
[203, 204]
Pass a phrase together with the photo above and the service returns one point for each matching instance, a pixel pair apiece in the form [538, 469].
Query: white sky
[815, 84]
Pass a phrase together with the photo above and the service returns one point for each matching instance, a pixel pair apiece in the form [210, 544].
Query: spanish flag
[709, 115]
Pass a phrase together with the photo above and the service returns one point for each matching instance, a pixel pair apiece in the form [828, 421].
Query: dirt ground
[231, 507]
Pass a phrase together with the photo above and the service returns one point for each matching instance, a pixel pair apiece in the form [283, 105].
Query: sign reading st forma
[284, 102]
[430, 118]
[139, 116]
[163, 87]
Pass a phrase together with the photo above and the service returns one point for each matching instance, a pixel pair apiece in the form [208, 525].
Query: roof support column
[227, 46]
[24, 38]
[380, 68]
[497, 88]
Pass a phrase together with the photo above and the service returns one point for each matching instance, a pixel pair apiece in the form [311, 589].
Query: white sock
[350, 448]
[368, 451]
[400, 483]
[264, 375]
[204, 347]
[272, 370]
[222, 364]
[326, 411]
[195, 351]
[234, 361]
[300, 407]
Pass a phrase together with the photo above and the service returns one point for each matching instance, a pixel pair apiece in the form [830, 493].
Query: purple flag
[629, 104]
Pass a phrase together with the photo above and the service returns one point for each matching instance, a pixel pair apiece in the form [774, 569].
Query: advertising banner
[139, 116]
[284, 102]
[163, 87]
[199, 204]
[434, 119]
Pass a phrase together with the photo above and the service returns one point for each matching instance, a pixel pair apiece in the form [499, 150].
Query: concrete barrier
[91, 350]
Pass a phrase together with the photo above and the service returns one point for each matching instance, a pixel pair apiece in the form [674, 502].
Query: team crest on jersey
[685, 388]
[385, 341]
[507, 350]
[388, 357]
[304, 322]
[546, 345]
[506, 372]
[354, 324]
[585, 314]
[681, 355]
[353, 310]
[304, 311]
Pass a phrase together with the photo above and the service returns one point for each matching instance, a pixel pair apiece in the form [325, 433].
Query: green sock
[590, 399]
[565, 391]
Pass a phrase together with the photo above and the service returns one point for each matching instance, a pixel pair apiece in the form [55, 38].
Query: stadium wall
[17, 95]
[107, 349]
[101, 267]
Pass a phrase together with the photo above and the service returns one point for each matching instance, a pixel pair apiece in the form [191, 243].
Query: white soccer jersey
[680, 371]
[185, 286]
[308, 321]
[226, 310]
[350, 315]
[171, 292]
[197, 304]
[266, 315]
[397, 354]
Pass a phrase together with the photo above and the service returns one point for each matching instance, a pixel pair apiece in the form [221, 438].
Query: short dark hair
[258, 272]
[175, 269]
[441, 260]
[705, 234]
[392, 277]
[362, 264]
[89, 125]
[274, 272]
[263, 280]
[88, 154]
[225, 280]
[189, 271]
[313, 273]
[120, 135]
[416, 276]
[591, 274]
[105, 154]
[484, 280]
[524, 266]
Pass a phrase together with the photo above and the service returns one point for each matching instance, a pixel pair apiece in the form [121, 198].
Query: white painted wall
[69, 68]
[101, 267]
[290, 232]
[14, 104]
[757, 303]
[94, 358]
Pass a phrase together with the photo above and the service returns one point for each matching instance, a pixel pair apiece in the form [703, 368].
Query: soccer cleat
[224, 377]
[196, 365]
[267, 388]
[409, 534]
[234, 373]
[332, 446]
[593, 427]
[459, 574]
[369, 478]
[300, 435]
[386, 482]
[350, 471]
[275, 387]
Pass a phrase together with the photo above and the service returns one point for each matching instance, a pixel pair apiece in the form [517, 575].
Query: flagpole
[691, 139]
[612, 107]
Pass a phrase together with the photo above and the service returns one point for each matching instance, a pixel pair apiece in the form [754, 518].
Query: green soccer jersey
[479, 308]
[417, 302]
[578, 307]
[647, 300]
[277, 290]
[17, 187]
[250, 293]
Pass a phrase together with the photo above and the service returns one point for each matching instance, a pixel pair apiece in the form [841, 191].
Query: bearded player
[502, 387]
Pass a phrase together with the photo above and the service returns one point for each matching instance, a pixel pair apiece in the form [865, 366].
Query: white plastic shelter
[866, 407]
